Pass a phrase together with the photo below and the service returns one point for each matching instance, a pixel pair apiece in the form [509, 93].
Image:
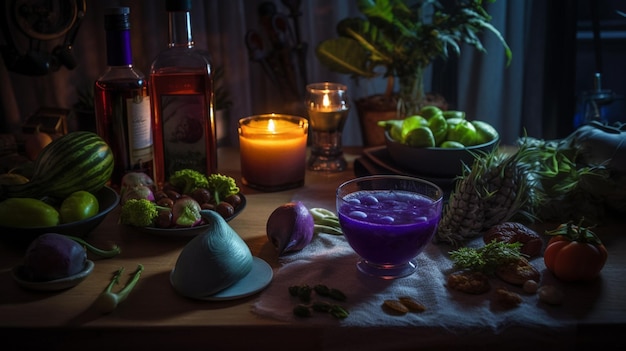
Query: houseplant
[403, 37]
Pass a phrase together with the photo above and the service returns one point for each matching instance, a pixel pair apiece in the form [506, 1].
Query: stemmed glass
[327, 106]
[388, 220]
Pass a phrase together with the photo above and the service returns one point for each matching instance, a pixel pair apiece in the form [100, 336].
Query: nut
[411, 304]
[395, 306]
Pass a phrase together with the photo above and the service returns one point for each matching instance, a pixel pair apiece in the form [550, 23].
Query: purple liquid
[388, 227]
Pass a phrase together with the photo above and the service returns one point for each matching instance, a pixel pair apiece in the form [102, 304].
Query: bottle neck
[118, 48]
[180, 29]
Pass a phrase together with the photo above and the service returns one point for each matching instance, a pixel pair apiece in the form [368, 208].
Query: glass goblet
[327, 106]
[388, 220]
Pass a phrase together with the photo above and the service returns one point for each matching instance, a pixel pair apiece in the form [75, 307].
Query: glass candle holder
[273, 151]
[327, 106]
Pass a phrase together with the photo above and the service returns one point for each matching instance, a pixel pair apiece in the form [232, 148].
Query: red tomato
[572, 258]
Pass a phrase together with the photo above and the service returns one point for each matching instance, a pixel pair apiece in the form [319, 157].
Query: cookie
[512, 232]
[469, 282]
[518, 272]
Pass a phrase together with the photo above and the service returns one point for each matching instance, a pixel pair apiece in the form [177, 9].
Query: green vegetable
[78, 206]
[100, 252]
[582, 175]
[487, 258]
[221, 186]
[186, 212]
[108, 300]
[140, 212]
[325, 221]
[27, 213]
[76, 161]
[188, 180]
[306, 305]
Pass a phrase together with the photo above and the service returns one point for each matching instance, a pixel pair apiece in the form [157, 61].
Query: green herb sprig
[307, 305]
[487, 258]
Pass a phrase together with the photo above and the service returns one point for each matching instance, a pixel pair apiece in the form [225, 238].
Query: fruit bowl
[107, 200]
[435, 161]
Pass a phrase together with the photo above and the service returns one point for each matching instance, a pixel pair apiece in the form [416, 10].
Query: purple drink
[390, 223]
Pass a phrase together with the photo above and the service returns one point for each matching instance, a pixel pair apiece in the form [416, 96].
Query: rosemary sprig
[487, 258]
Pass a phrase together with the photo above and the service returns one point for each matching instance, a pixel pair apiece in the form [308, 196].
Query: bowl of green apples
[438, 143]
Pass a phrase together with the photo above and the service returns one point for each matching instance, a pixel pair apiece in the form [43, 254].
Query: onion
[132, 179]
[186, 212]
[137, 192]
[290, 227]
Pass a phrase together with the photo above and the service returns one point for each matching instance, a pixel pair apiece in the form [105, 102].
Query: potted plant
[402, 37]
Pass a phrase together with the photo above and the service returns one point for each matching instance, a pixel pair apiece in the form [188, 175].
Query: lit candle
[327, 107]
[273, 151]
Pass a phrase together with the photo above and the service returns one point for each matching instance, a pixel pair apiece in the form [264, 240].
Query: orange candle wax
[273, 151]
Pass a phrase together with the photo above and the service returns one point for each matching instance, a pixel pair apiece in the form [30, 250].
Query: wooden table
[154, 316]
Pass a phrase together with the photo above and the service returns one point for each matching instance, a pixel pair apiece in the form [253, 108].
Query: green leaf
[344, 55]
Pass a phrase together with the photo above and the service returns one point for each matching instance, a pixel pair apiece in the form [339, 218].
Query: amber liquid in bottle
[184, 136]
[181, 97]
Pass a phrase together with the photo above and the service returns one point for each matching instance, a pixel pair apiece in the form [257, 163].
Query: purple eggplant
[53, 256]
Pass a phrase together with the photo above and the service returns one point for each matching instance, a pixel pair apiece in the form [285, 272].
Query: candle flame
[325, 101]
[270, 126]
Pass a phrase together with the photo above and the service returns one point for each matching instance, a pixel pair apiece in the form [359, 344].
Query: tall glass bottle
[122, 103]
[181, 94]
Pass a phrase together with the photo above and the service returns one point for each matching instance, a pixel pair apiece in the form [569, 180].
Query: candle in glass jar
[273, 151]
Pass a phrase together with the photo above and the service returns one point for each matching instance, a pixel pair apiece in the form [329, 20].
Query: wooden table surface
[155, 316]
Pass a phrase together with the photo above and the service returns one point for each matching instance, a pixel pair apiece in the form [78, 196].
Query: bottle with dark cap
[122, 104]
[181, 93]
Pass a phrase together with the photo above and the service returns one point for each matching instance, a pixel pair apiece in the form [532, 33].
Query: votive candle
[273, 151]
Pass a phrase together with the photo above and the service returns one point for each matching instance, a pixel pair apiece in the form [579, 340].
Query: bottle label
[184, 139]
[139, 131]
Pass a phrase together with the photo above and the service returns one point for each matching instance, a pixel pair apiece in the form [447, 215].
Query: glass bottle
[181, 92]
[122, 104]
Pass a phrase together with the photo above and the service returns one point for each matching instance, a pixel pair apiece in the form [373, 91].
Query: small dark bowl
[435, 161]
[107, 200]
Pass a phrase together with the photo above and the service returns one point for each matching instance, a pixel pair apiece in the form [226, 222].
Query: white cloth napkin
[329, 260]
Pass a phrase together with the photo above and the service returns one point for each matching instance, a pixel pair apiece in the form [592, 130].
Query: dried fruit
[508, 298]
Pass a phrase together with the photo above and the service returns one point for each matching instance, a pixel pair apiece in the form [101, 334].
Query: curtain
[486, 89]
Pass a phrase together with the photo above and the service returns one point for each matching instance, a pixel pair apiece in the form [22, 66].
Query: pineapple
[496, 188]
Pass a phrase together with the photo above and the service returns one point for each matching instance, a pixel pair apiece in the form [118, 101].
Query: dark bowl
[107, 200]
[191, 231]
[435, 161]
